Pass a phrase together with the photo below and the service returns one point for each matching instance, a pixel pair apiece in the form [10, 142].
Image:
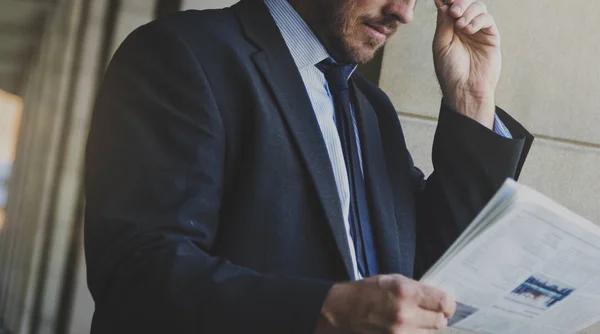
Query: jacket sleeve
[471, 163]
[154, 174]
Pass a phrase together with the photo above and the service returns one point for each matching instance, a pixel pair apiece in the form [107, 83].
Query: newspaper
[525, 265]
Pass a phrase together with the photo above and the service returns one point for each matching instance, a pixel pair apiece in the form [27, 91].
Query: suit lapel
[377, 183]
[280, 72]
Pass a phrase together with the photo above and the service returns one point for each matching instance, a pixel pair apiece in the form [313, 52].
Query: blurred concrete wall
[129, 15]
[206, 4]
[550, 82]
[43, 285]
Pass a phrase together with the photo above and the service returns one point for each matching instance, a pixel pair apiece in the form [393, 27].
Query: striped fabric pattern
[307, 51]
[500, 128]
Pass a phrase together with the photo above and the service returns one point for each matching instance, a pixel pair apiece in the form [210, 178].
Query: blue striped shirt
[307, 51]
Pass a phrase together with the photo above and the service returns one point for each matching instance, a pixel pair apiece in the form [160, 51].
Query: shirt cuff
[501, 129]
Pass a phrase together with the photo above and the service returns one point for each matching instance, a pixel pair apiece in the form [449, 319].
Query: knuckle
[445, 300]
[440, 322]
[402, 317]
[405, 291]
[446, 303]
[460, 3]
[450, 304]
[395, 287]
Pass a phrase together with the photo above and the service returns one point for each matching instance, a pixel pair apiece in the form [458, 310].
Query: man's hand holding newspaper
[525, 265]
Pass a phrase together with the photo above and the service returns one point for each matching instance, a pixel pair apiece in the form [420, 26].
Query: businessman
[242, 178]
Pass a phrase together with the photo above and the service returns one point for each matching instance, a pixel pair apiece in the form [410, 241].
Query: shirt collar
[306, 49]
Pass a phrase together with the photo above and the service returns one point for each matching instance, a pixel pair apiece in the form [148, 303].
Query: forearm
[471, 162]
[168, 285]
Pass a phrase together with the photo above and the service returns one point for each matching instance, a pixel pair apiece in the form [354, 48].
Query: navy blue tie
[360, 228]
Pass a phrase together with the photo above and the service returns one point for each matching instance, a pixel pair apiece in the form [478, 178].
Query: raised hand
[467, 57]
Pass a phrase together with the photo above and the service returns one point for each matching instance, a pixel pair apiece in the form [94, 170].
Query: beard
[342, 29]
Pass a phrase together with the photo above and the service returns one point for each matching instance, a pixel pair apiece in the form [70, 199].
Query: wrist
[328, 322]
[481, 110]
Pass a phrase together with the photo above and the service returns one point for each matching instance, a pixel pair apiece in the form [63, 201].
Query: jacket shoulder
[200, 24]
[198, 29]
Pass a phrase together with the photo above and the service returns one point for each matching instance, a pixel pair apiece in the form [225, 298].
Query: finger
[418, 318]
[444, 20]
[444, 32]
[476, 9]
[459, 7]
[439, 3]
[484, 22]
[410, 331]
[436, 300]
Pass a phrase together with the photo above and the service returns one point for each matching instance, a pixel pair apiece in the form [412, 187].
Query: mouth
[381, 33]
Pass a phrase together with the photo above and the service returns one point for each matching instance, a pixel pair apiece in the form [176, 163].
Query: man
[241, 178]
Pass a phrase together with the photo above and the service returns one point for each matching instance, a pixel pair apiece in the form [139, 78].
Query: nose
[402, 10]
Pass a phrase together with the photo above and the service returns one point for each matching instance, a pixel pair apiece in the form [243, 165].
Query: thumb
[444, 32]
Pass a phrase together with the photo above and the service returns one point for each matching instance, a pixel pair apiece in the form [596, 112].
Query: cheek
[369, 5]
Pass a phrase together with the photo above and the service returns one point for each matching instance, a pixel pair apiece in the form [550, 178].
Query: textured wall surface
[551, 76]
[206, 4]
[550, 82]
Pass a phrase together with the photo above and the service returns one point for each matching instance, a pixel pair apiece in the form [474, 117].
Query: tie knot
[337, 75]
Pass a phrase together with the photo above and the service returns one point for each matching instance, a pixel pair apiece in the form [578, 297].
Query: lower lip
[378, 35]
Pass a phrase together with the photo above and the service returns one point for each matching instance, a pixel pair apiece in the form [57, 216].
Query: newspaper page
[535, 269]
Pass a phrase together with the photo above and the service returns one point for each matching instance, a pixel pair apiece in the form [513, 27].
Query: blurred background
[52, 57]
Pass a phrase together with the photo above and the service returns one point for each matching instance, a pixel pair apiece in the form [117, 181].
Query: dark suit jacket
[211, 203]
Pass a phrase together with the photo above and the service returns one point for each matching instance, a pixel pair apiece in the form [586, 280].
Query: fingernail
[456, 10]
[462, 21]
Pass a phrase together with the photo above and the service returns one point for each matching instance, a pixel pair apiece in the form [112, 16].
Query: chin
[366, 56]
[354, 50]
[361, 55]
[362, 59]
[363, 51]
